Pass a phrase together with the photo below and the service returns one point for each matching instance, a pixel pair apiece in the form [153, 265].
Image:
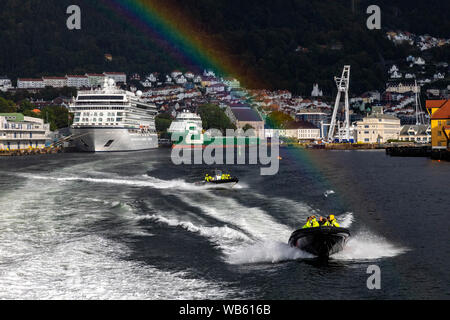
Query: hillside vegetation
[261, 36]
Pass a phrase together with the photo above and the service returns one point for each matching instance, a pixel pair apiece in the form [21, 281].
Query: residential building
[231, 83]
[95, 80]
[300, 130]
[5, 83]
[378, 128]
[399, 87]
[313, 116]
[77, 81]
[55, 82]
[20, 132]
[118, 77]
[416, 133]
[215, 88]
[440, 123]
[242, 115]
[30, 83]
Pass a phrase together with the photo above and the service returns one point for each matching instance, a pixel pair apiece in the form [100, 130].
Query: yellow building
[440, 123]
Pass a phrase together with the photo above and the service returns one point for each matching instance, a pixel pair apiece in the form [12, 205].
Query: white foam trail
[267, 251]
[46, 257]
[345, 220]
[132, 181]
[367, 246]
[270, 237]
[225, 236]
[91, 268]
[253, 220]
[328, 192]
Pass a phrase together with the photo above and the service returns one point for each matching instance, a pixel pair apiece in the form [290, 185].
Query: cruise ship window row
[98, 114]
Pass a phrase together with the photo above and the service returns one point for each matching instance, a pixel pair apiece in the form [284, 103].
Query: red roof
[29, 79]
[435, 103]
[54, 78]
[443, 112]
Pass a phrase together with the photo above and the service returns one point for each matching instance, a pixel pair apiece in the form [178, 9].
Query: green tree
[213, 117]
[163, 122]
[278, 120]
[7, 106]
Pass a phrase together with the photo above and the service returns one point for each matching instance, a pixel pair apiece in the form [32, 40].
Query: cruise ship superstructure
[109, 119]
[189, 126]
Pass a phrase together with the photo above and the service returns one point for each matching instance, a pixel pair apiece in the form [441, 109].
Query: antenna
[343, 84]
[420, 118]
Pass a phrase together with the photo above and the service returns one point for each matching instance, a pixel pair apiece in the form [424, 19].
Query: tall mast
[342, 84]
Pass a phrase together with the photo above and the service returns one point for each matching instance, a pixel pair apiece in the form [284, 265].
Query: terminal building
[378, 128]
[18, 132]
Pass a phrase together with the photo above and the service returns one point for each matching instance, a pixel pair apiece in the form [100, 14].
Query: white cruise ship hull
[112, 140]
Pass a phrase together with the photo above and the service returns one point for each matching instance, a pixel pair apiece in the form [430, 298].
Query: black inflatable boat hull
[225, 183]
[320, 241]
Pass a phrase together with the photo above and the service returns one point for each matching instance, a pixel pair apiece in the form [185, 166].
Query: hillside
[259, 36]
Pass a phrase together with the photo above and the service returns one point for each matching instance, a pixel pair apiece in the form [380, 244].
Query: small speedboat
[219, 180]
[320, 241]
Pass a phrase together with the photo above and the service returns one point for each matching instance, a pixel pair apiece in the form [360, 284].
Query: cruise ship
[189, 126]
[112, 120]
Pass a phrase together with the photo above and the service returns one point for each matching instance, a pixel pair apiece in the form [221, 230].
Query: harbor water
[136, 226]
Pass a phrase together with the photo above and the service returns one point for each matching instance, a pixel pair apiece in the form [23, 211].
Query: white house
[198, 79]
[419, 61]
[209, 73]
[393, 69]
[180, 79]
[189, 75]
[5, 83]
[176, 74]
[316, 92]
[396, 75]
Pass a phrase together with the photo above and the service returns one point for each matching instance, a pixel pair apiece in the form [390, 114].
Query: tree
[278, 120]
[7, 106]
[163, 122]
[213, 117]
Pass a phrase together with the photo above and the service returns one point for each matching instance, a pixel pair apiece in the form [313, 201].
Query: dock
[30, 152]
[409, 151]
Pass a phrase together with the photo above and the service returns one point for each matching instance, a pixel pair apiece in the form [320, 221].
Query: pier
[30, 152]
[409, 151]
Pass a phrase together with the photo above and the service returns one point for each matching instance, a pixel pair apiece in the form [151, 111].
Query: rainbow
[164, 23]
[178, 35]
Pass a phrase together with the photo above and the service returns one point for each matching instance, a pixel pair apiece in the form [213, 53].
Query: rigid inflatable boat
[320, 241]
[219, 180]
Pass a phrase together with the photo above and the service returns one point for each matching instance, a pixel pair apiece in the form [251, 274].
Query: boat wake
[367, 246]
[243, 235]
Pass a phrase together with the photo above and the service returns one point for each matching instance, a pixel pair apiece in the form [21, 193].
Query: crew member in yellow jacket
[311, 222]
[332, 221]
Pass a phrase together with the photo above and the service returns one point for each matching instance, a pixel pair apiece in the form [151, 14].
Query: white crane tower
[343, 84]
